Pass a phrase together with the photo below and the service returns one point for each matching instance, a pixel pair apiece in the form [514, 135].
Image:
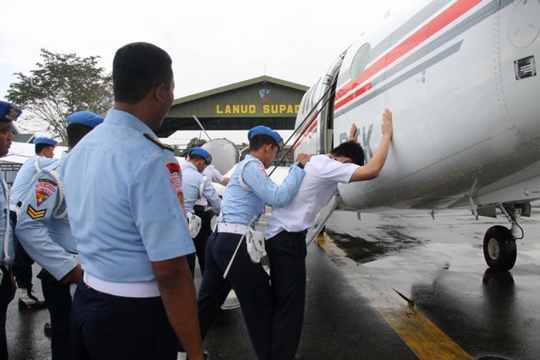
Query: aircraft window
[360, 60]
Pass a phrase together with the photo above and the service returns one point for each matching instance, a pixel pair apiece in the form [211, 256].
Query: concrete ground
[391, 286]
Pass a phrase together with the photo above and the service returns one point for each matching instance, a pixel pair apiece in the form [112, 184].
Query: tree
[177, 151]
[195, 142]
[62, 85]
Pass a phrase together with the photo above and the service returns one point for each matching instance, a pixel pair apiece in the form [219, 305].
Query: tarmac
[397, 285]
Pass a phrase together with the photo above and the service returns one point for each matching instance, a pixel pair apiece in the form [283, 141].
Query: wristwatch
[299, 164]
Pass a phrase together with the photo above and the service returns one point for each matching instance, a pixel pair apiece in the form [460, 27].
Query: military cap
[86, 118]
[265, 130]
[9, 112]
[45, 140]
[199, 151]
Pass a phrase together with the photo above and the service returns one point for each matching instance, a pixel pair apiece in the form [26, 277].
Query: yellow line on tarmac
[425, 339]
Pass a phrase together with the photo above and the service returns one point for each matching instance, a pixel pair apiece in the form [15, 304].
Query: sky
[212, 43]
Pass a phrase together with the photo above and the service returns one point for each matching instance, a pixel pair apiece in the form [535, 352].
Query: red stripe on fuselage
[310, 125]
[303, 133]
[449, 15]
[459, 8]
[306, 134]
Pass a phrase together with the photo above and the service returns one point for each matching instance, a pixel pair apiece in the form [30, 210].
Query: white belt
[132, 290]
[232, 228]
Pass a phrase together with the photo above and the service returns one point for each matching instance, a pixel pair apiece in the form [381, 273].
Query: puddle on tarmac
[391, 238]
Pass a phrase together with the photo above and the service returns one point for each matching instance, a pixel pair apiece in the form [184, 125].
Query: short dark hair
[75, 132]
[196, 158]
[137, 69]
[258, 141]
[41, 147]
[350, 149]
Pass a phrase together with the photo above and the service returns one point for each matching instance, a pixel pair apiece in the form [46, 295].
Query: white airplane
[460, 79]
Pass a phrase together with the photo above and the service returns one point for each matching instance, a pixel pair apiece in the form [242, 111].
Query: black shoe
[47, 329]
[36, 305]
[27, 300]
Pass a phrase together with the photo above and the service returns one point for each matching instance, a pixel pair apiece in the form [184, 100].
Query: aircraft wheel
[500, 248]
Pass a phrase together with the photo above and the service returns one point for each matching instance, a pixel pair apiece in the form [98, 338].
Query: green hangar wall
[240, 106]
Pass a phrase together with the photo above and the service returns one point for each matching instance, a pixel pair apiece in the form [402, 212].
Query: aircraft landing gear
[499, 246]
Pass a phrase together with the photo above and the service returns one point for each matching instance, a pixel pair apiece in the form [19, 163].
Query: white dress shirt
[318, 186]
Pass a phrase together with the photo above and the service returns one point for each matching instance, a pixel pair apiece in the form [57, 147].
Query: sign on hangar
[240, 106]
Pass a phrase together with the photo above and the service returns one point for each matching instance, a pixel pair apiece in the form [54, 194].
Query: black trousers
[200, 240]
[5, 293]
[22, 265]
[287, 253]
[250, 283]
[58, 299]
[108, 327]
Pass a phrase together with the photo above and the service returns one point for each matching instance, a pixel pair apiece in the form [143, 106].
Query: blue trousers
[108, 327]
[250, 283]
[287, 253]
[5, 293]
[200, 240]
[22, 265]
[58, 299]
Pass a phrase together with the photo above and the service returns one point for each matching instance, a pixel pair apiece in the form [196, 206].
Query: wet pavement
[438, 265]
[353, 310]
[24, 329]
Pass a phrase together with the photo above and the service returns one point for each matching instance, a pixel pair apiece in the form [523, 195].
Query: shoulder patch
[44, 189]
[174, 168]
[35, 214]
[48, 182]
[261, 167]
[158, 143]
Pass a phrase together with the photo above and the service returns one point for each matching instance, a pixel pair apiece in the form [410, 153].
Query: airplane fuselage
[460, 78]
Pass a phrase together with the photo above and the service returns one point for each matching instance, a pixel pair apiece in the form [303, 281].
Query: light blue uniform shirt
[240, 205]
[45, 237]
[191, 182]
[123, 192]
[4, 212]
[24, 176]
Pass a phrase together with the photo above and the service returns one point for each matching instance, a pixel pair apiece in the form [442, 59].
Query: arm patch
[48, 182]
[35, 214]
[158, 142]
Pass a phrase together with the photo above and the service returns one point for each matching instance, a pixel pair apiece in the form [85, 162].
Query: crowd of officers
[120, 218]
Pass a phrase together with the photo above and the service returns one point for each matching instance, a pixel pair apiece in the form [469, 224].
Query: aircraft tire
[500, 249]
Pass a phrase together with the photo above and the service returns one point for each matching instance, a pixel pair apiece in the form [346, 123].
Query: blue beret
[9, 112]
[265, 130]
[199, 151]
[86, 118]
[45, 140]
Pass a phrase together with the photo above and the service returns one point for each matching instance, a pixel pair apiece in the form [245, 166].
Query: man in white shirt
[287, 228]
[215, 176]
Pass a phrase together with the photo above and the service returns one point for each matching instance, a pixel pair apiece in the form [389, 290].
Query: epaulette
[158, 143]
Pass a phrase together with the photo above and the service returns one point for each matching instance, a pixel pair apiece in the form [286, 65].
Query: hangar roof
[240, 85]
